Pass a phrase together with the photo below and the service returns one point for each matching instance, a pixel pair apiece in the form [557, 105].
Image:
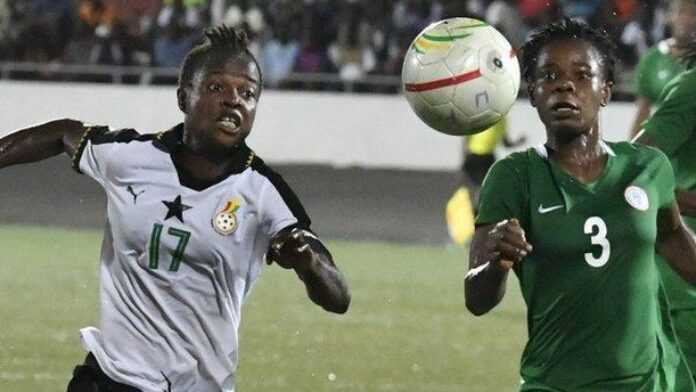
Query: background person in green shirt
[659, 64]
[671, 129]
[578, 220]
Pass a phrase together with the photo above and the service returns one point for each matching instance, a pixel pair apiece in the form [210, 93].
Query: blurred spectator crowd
[348, 38]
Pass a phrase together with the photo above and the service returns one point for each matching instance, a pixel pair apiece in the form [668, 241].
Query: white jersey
[177, 263]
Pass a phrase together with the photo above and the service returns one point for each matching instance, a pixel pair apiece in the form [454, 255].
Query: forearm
[687, 203]
[676, 244]
[484, 288]
[679, 249]
[484, 284]
[39, 142]
[325, 284]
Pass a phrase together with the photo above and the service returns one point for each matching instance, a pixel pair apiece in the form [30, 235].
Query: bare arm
[675, 243]
[642, 114]
[40, 142]
[300, 250]
[687, 202]
[493, 252]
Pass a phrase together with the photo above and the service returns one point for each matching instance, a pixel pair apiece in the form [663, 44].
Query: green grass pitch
[407, 329]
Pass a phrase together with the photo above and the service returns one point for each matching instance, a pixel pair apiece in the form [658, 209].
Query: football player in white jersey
[192, 214]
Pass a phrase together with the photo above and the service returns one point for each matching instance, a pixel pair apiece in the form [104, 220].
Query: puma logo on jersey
[546, 210]
[135, 195]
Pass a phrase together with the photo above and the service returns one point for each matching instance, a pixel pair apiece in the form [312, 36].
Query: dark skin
[226, 87]
[219, 107]
[568, 89]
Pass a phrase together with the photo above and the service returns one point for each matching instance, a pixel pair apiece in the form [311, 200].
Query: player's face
[682, 18]
[568, 87]
[220, 104]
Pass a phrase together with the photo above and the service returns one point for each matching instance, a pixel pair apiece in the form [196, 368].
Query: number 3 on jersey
[178, 254]
[596, 227]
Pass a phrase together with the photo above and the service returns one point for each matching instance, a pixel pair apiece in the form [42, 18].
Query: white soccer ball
[460, 76]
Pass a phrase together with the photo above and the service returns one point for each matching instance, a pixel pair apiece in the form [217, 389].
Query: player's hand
[506, 244]
[289, 249]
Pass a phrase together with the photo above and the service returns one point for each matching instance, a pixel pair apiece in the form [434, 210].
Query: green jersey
[655, 69]
[672, 129]
[591, 284]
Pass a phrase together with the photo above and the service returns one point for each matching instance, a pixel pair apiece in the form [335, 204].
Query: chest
[173, 229]
[583, 228]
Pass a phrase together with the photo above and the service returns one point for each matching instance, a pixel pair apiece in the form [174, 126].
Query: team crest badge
[225, 221]
[637, 198]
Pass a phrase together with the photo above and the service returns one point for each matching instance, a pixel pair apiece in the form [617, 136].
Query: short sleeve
[280, 207]
[99, 148]
[673, 122]
[90, 158]
[503, 193]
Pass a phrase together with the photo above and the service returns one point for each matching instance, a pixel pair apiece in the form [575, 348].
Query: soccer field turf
[407, 329]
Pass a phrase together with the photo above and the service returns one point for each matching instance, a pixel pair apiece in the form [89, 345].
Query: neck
[212, 166]
[582, 156]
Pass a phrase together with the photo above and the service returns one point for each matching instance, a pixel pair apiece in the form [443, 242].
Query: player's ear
[182, 99]
[530, 93]
[606, 93]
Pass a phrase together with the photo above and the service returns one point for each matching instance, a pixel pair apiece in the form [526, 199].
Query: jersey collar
[563, 180]
[170, 141]
[543, 151]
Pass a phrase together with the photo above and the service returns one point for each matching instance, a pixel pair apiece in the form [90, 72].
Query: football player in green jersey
[659, 65]
[672, 129]
[578, 220]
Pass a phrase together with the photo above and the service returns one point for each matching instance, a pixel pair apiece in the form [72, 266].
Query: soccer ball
[460, 76]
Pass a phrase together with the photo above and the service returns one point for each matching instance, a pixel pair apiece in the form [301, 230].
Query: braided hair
[568, 28]
[220, 39]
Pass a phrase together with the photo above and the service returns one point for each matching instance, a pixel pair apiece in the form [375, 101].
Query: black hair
[233, 42]
[568, 28]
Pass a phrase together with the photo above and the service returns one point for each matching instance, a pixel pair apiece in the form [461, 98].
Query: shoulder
[106, 141]
[639, 154]
[520, 161]
[270, 179]
[103, 135]
[654, 53]
[265, 172]
[514, 166]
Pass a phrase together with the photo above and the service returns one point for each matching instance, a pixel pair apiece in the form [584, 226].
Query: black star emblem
[175, 208]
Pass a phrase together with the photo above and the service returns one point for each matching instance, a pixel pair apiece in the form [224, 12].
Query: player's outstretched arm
[40, 142]
[494, 250]
[302, 251]
[676, 244]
